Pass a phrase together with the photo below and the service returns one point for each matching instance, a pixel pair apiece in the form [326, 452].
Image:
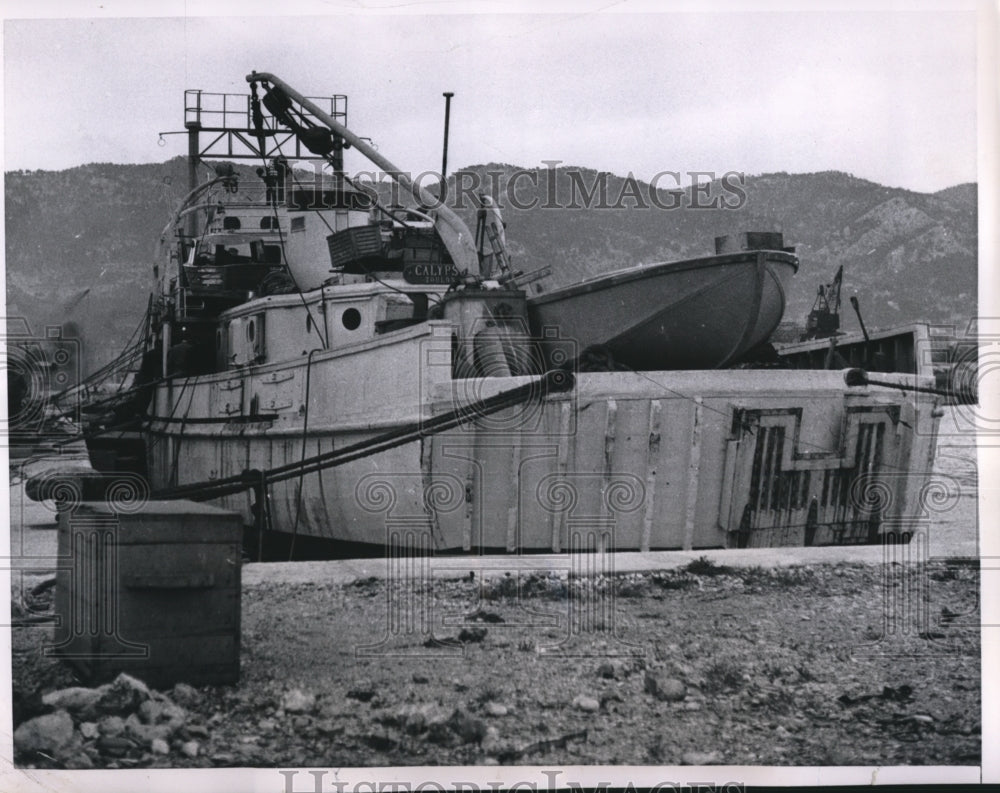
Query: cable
[173, 410]
[302, 459]
[553, 381]
[175, 472]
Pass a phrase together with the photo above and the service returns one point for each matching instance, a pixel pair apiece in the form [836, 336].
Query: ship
[345, 373]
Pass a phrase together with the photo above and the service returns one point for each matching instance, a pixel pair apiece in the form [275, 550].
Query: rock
[589, 704]
[134, 725]
[78, 700]
[421, 679]
[159, 746]
[122, 696]
[692, 706]
[197, 730]
[468, 728]
[611, 670]
[190, 748]
[172, 714]
[111, 725]
[223, 758]
[441, 735]
[266, 725]
[145, 734]
[88, 730]
[609, 699]
[327, 727]
[78, 761]
[150, 711]
[301, 722]
[495, 709]
[472, 635]
[297, 701]
[666, 689]
[185, 695]
[701, 758]
[50, 733]
[491, 743]
[420, 716]
[114, 745]
[380, 743]
[363, 694]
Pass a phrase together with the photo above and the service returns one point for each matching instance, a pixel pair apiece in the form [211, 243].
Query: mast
[193, 127]
[444, 154]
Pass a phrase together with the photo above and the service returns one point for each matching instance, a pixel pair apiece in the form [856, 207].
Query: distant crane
[824, 319]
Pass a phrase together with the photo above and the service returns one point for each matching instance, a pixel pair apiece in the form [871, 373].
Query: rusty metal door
[786, 492]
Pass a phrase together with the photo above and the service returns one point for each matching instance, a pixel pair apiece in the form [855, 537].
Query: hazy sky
[888, 95]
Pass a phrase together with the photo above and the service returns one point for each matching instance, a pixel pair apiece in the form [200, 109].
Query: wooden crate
[353, 245]
[154, 592]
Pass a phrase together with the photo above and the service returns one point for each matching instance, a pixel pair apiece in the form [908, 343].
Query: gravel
[707, 667]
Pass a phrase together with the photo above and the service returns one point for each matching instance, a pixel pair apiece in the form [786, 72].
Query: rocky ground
[844, 664]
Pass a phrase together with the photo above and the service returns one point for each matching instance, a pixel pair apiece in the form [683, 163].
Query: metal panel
[652, 458]
[783, 493]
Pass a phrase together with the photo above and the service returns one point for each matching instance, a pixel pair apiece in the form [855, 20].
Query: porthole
[351, 319]
[251, 330]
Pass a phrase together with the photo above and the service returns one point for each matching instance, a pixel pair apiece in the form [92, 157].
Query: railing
[231, 112]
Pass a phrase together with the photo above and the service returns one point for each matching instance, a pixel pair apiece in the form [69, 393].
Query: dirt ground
[842, 664]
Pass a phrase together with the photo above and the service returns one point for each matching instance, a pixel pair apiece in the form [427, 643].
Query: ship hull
[696, 314]
[624, 461]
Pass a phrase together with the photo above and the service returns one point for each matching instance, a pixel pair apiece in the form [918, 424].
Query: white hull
[628, 461]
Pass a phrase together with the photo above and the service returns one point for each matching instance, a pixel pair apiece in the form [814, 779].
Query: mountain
[908, 256]
[91, 227]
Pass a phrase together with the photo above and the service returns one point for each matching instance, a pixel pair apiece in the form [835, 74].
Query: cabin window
[268, 222]
[298, 224]
[351, 319]
[255, 338]
[265, 254]
[231, 222]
